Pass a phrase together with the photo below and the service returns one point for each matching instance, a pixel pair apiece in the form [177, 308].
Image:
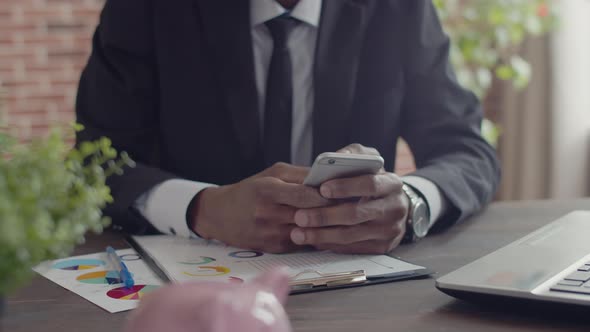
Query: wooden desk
[403, 306]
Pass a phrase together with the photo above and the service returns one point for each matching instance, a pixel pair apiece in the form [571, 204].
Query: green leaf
[490, 132]
[505, 72]
[486, 33]
[522, 71]
[49, 198]
[78, 127]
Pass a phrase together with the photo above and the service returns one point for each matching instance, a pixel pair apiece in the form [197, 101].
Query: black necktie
[279, 94]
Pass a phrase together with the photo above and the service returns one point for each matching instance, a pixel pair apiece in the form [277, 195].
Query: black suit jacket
[172, 83]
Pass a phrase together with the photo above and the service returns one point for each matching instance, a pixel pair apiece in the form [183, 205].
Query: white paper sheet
[195, 259]
[90, 277]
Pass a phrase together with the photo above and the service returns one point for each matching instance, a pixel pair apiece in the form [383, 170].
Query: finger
[274, 214]
[344, 214]
[341, 234]
[370, 247]
[276, 240]
[370, 185]
[359, 149]
[295, 195]
[283, 243]
[287, 172]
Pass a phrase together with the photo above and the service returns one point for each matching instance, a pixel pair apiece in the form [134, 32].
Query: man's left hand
[368, 217]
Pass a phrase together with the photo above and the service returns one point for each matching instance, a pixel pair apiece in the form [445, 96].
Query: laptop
[551, 264]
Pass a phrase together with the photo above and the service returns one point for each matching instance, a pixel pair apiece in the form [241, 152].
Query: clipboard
[333, 281]
[307, 281]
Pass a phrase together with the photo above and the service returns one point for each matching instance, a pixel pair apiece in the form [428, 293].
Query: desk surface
[401, 306]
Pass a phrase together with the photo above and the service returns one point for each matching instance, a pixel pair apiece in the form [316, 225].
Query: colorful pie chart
[245, 254]
[100, 277]
[198, 261]
[208, 271]
[134, 293]
[78, 264]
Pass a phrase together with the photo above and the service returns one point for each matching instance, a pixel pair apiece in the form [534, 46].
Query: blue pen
[120, 267]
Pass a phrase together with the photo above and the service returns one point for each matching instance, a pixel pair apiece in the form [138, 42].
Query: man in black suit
[207, 96]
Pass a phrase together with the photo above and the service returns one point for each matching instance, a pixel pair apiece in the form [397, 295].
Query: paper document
[90, 276]
[197, 259]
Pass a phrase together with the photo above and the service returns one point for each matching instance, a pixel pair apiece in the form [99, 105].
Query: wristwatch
[418, 221]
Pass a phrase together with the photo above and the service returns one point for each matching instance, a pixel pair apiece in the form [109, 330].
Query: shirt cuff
[437, 202]
[165, 205]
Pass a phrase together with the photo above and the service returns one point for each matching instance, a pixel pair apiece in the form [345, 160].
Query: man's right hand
[258, 212]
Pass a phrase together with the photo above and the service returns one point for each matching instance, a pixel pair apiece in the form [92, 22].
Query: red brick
[82, 43]
[63, 83]
[6, 73]
[46, 13]
[6, 25]
[19, 115]
[11, 3]
[10, 55]
[90, 12]
[6, 14]
[35, 68]
[43, 39]
[48, 97]
[53, 2]
[12, 83]
[6, 40]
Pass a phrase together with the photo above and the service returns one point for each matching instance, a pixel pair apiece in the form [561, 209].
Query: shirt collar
[307, 11]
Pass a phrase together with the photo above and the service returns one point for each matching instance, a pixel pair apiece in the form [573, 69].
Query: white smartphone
[332, 165]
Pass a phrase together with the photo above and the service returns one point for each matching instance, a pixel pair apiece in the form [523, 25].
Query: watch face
[420, 220]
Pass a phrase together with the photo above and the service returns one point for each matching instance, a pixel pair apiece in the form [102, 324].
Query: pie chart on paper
[208, 271]
[198, 261]
[78, 264]
[100, 277]
[134, 293]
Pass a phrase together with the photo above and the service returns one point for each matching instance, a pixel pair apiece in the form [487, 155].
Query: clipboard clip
[327, 279]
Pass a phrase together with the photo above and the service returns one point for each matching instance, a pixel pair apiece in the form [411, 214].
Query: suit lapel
[227, 30]
[341, 33]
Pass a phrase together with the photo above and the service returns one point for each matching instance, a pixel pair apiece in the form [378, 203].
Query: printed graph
[134, 293]
[78, 264]
[245, 254]
[100, 277]
[208, 271]
[198, 261]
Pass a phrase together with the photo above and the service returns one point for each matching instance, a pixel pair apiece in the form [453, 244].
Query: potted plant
[486, 38]
[50, 196]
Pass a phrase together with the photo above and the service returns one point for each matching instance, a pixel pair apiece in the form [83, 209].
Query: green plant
[486, 37]
[50, 196]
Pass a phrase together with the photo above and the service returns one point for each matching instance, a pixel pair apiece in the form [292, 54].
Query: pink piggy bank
[256, 306]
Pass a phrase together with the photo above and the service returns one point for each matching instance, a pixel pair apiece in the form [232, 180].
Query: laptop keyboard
[577, 282]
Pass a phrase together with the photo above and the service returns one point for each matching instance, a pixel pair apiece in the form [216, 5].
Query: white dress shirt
[166, 204]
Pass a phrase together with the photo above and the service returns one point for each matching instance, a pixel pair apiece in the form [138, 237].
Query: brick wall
[44, 45]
